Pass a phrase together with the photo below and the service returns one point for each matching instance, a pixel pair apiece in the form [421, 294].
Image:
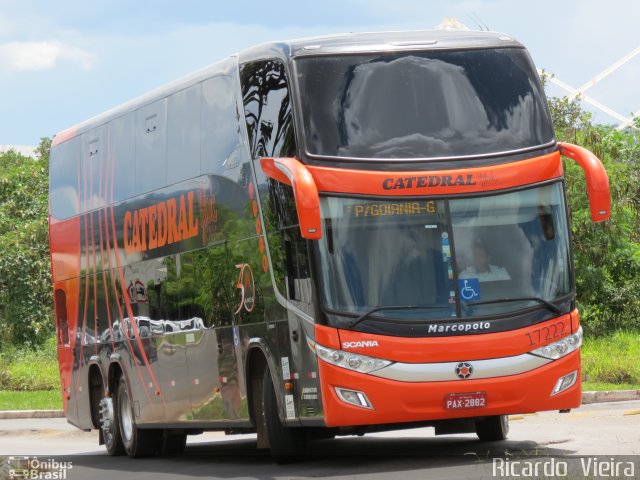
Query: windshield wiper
[392, 307]
[549, 305]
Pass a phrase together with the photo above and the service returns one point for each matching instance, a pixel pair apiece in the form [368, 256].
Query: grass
[29, 379]
[602, 386]
[28, 369]
[612, 360]
[31, 400]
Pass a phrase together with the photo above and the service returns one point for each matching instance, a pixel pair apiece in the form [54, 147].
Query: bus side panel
[108, 315]
[65, 302]
[173, 375]
[147, 392]
[206, 364]
[64, 244]
[255, 308]
[189, 298]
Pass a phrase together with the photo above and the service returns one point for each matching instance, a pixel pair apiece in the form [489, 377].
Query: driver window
[480, 264]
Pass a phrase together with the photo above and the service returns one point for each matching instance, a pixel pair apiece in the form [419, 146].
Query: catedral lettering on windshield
[309, 229]
[428, 181]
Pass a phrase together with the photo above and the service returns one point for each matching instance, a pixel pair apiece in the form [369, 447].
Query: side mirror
[597, 179]
[291, 172]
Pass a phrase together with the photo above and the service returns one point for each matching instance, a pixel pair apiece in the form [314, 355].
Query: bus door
[298, 362]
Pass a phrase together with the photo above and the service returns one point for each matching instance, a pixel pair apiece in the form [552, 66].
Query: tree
[606, 255]
[26, 303]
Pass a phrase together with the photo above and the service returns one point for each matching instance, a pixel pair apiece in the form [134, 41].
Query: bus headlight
[561, 347]
[349, 360]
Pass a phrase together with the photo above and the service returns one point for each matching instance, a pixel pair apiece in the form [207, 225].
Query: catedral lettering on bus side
[428, 181]
[161, 224]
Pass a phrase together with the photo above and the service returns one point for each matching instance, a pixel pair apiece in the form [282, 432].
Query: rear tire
[137, 442]
[111, 433]
[493, 429]
[286, 443]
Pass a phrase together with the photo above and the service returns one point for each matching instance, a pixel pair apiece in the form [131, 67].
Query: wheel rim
[126, 421]
[107, 419]
[504, 423]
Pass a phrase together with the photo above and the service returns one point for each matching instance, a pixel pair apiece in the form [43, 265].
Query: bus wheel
[137, 442]
[173, 442]
[110, 426]
[285, 443]
[493, 429]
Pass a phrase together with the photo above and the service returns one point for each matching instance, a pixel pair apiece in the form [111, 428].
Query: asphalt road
[598, 430]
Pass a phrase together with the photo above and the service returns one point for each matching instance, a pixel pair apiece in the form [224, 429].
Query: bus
[328, 236]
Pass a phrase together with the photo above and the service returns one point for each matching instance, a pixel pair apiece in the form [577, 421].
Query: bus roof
[347, 43]
[158, 93]
[350, 43]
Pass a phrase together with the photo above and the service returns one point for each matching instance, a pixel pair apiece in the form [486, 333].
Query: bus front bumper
[393, 401]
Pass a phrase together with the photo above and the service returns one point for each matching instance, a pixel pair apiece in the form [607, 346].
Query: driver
[482, 268]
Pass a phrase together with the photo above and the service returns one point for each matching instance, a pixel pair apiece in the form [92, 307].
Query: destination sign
[390, 209]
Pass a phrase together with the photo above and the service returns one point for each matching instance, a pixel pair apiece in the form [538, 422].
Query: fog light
[565, 382]
[353, 397]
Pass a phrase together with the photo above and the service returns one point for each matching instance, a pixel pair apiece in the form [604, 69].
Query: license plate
[463, 401]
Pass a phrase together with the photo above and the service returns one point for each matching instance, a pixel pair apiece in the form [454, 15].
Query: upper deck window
[432, 104]
[267, 109]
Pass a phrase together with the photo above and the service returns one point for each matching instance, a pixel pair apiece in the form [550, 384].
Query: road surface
[594, 430]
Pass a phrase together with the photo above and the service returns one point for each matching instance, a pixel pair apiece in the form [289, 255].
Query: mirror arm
[596, 178]
[291, 171]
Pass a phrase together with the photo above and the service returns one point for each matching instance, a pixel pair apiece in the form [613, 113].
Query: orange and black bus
[327, 236]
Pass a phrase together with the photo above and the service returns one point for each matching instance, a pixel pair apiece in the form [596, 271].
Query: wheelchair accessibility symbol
[469, 289]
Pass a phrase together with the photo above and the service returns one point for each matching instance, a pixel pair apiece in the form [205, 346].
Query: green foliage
[25, 289]
[606, 255]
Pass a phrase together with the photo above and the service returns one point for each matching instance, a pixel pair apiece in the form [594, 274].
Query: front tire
[286, 443]
[493, 429]
[137, 442]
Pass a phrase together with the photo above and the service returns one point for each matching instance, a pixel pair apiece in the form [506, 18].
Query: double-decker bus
[327, 236]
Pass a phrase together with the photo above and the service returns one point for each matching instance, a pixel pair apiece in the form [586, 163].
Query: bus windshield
[435, 104]
[459, 258]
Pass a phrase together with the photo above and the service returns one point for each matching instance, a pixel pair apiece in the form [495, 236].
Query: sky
[63, 61]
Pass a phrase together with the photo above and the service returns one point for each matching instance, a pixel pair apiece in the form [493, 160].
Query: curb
[610, 396]
[587, 398]
[15, 414]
